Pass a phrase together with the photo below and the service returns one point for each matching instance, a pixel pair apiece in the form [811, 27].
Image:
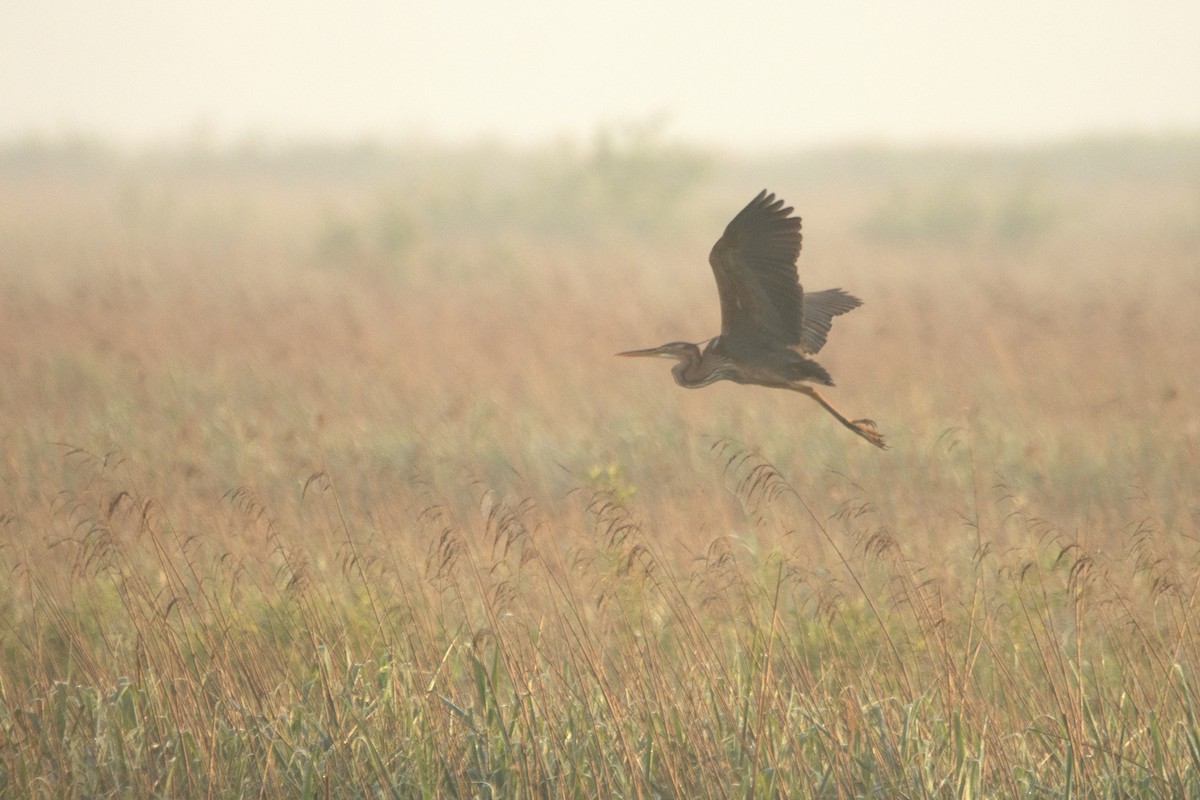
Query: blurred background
[378, 221]
[761, 75]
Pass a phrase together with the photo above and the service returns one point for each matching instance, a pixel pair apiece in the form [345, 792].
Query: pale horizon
[756, 78]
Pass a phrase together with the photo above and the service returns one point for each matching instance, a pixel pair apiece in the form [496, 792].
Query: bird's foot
[866, 429]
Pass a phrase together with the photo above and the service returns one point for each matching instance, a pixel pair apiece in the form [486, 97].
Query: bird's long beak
[651, 351]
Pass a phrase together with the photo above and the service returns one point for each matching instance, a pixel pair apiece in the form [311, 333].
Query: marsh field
[319, 478]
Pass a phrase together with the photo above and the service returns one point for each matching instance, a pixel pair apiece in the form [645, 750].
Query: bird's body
[769, 326]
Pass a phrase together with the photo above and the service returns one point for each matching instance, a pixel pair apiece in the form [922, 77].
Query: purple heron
[769, 324]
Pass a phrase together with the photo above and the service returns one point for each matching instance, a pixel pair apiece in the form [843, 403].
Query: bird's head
[680, 351]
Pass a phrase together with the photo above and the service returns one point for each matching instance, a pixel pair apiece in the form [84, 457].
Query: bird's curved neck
[691, 371]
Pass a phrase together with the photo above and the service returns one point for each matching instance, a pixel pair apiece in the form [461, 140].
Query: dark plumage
[769, 326]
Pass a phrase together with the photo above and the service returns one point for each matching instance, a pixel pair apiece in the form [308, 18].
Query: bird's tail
[805, 369]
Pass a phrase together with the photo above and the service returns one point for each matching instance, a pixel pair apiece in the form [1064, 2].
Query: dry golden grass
[319, 478]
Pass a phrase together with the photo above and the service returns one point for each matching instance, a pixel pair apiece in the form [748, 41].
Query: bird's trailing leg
[863, 427]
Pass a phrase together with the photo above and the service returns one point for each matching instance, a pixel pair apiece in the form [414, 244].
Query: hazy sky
[731, 73]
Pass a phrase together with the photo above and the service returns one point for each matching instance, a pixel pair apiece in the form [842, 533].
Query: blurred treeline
[373, 205]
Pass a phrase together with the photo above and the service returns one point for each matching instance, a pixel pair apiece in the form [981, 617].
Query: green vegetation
[317, 477]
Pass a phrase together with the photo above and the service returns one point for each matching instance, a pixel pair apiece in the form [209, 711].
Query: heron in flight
[769, 324]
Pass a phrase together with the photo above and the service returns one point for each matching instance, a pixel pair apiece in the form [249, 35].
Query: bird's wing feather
[754, 263]
[817, 313]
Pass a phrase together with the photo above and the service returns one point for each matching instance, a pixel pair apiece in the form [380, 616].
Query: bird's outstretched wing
[755, 266]
[817, 312]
